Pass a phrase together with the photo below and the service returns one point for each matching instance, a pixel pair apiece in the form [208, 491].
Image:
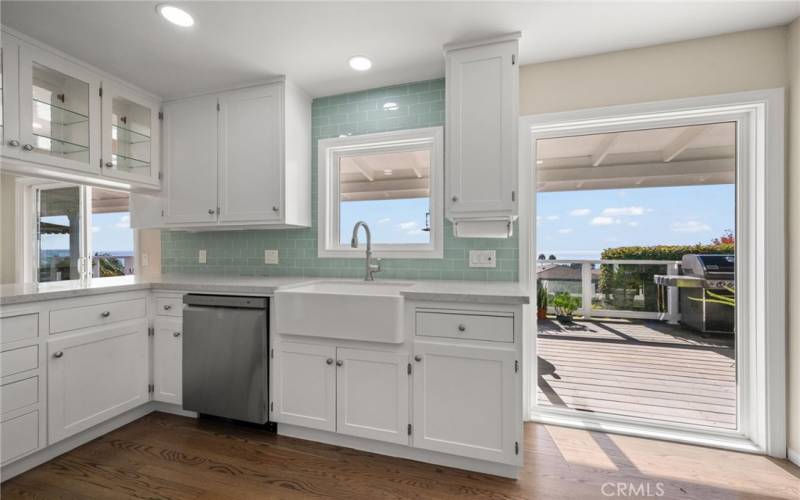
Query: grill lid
[718, 266]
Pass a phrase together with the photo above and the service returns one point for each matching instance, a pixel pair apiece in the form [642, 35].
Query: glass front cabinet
[59, 115]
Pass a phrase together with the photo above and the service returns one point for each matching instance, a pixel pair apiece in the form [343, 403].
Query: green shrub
[565, 303]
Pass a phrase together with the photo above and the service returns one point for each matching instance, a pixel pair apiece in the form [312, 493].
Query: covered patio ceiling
[675, 156]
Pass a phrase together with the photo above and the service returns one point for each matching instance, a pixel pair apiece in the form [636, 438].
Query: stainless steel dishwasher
[225, 362]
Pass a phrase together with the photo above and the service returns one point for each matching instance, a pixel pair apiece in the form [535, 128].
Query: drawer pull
[329, 361]
[339, 362]
[58, 354]
[167, 307]
[462, 327]
[417, 358]
[176, 334]
[105, 314]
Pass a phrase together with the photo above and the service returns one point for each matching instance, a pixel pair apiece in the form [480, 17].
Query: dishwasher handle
[229, 301]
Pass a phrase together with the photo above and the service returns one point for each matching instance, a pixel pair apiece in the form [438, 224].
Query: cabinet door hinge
[271, 406]
[101, 91]
[516, 447]
[101, 163]
[151, 331]
[151, 388]
[160, 176]
[516, 365]
[409, 368]
[217, 106]
[409, 429]
[513, 196]
[513, 59]
[272, 353]
[160, 115]
[162, 212]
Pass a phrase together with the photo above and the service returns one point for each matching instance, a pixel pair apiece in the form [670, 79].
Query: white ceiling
[234, 43]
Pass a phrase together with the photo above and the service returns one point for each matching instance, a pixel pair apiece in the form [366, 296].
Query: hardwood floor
[638, 368]
[165, 456]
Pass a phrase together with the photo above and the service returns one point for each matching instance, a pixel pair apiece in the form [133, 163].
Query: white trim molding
[760, 263]
[330, 150]
[794, 456]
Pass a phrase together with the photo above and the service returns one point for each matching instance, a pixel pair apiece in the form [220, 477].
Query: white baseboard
[794, 456]
[399, 451]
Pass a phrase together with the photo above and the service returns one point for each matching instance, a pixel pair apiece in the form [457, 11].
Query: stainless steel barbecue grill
[702, 274]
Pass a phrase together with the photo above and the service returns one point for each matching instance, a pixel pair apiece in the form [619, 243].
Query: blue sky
[390, 221]
[110, 232]
[580, 224]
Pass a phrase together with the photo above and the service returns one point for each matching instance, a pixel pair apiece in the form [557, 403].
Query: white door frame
[761, 264]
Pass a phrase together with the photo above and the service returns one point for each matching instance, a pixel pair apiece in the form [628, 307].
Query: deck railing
[612, 288]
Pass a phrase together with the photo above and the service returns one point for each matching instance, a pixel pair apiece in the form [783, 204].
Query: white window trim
[328, 196]
[761, 366]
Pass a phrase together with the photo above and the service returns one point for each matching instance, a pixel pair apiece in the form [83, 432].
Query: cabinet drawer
[491, 326]
[64, 320]
[19, 394]
[20, 435]
[24, 326]
[19, 360]
[169, 306]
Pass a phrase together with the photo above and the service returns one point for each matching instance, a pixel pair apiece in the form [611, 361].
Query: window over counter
[390, 180]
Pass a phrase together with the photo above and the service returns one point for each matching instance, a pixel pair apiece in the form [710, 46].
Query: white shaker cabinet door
[168, 360]
[95, 375]
[305, 385]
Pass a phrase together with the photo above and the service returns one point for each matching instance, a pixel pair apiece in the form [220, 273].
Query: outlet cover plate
[270, 256]
[482, 258]
[202, 257]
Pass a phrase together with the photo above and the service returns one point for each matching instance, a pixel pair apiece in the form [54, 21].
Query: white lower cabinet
[465, 401]
[305, 385]
[95, 375]
[168, 359]
[372, 394]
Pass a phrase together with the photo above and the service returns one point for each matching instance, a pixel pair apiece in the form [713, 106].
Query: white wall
[736, 62]
[7, 229]
[793, 202]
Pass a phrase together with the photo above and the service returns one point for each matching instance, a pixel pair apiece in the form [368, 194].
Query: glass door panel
[58, 233]
[131, 143]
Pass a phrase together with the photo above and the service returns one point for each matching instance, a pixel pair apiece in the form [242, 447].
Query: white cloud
[95, 229]
[580, 212]
[407, 225]
[633, 223]
[618, 211]
[565, 230]
[384, 220]
[124, 222]
[603, 221]
[552, 217]
[690, 226]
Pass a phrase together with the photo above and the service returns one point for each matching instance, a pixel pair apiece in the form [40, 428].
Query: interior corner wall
[7, 229]
[793, 223]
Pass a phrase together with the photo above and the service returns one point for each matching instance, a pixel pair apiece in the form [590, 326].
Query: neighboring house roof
[562, 272]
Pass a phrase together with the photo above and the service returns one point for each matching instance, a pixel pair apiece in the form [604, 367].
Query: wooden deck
[637, 368]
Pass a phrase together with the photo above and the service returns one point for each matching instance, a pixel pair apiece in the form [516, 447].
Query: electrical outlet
[482, 258]
[270, 256]
[145, 260]
[201, 257]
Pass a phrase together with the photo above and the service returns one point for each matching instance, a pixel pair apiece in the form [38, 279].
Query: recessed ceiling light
[175, 15]
[360, 63]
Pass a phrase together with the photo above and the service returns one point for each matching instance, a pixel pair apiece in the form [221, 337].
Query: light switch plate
[482, 258]
[145, 260]
[201, 257]
[270, 256]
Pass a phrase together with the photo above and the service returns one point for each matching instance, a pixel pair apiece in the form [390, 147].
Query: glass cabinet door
[9, 97]
[59, 119]
[130, 133]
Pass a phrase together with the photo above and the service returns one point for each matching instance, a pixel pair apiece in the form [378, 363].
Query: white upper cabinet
[238, 159]
[250, 152]
[9, 127]
[481, 133]
[190, 161]
[130, 135]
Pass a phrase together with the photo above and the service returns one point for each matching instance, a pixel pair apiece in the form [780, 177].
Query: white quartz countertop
[434, 290]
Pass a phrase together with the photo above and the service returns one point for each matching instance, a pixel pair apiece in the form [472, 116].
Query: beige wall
[729, 63]
[7, 229]
[759, 59]
[150, 245]
[793, 202]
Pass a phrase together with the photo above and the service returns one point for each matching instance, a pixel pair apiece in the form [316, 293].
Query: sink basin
[350, 310]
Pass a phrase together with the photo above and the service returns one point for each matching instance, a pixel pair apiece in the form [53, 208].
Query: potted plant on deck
[565, 305]
[541, 301]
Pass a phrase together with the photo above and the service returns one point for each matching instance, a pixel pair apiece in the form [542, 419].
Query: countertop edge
[465, 298]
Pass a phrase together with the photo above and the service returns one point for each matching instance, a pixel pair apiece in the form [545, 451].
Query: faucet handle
[375, 265]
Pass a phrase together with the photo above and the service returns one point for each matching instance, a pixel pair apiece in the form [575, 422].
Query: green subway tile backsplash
[419, 104]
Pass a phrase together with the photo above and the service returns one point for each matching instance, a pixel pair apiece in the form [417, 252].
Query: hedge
[664, 252]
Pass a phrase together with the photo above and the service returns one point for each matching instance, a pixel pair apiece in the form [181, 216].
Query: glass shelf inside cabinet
[126, 135]
[122, 162]
[61, 147]
[53, 114]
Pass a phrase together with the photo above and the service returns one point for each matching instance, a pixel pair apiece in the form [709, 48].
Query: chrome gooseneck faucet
[371, 268]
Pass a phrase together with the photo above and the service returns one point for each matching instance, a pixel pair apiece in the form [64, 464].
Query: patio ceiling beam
[603, 149]
[691, 170]
[680, 143]
[362, 167]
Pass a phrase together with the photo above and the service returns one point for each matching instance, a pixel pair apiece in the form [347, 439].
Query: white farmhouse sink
[351, 310]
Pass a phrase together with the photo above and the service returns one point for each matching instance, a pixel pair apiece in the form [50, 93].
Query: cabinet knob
[339, 362]
[58, 354]
[176, 334]
[275, 209]
[329, 361]
[28, 147]
[13, 143]
[455, 199]
[211, 211]
[109, 164]
[417, 358]
[462, 327]
[105, 314]
[167, 307]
